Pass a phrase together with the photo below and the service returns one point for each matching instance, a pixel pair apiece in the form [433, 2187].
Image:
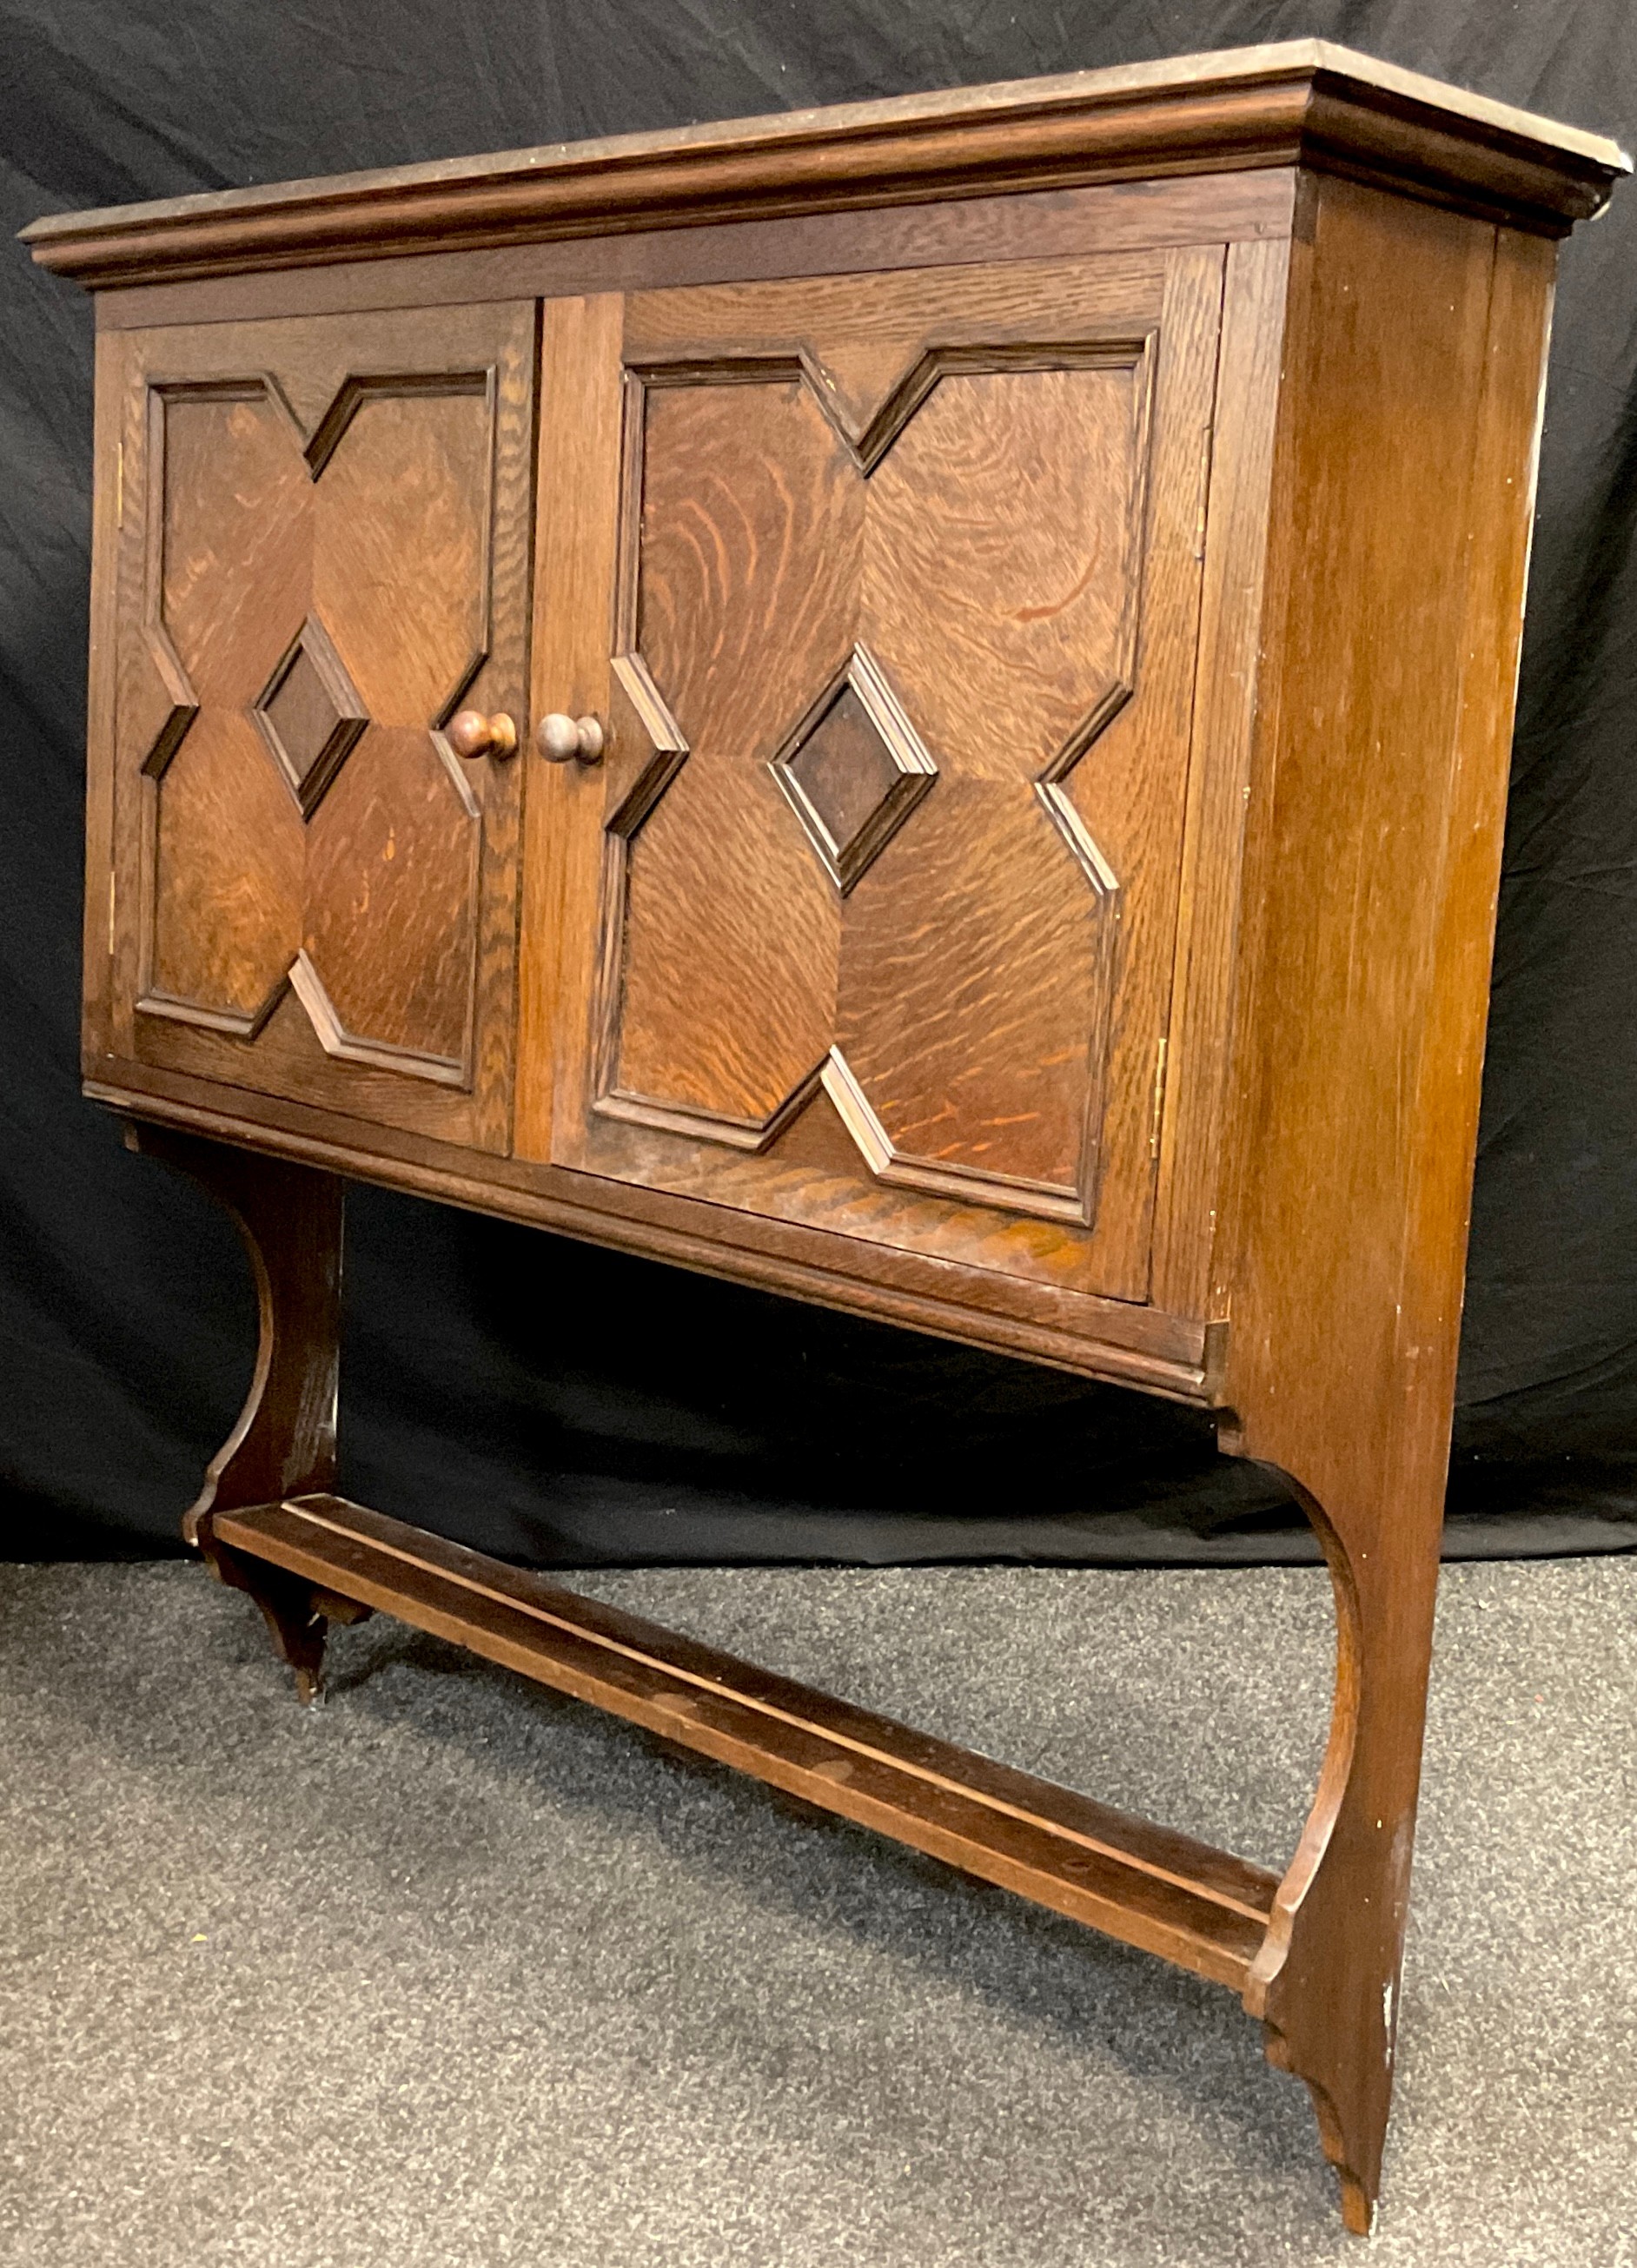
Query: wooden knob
[472, 734]
[561, 737]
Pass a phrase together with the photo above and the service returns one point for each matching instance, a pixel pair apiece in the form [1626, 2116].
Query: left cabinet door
[321, 557]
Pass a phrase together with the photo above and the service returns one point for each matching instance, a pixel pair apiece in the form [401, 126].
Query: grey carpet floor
[450, 1972]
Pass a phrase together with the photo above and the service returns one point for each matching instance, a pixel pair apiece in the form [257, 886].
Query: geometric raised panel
[793, 596]
[853, 770]
[310, 714]
[306, 829]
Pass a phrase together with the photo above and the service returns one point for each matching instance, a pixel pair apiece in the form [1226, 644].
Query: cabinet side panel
[1505, 461]
[107, 497]
[1403, 494]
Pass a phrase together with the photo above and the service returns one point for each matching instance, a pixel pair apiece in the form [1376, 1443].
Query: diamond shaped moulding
[853, 770]
[311, 714]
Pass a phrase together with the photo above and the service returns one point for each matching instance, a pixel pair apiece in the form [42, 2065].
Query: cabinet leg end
[293, 1610]
[1346, 2152]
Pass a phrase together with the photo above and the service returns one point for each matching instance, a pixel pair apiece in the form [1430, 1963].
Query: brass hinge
[1159, 1096]
[112, 889]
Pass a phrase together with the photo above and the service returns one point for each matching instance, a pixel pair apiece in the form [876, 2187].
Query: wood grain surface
[1303, 101]
[290, 1219]
[323, 553]
[1383, 739]
[1198, 1043]
[1139, 216]
[1117, 1340]
[1202, 1908]
[1056, 687]
[748, 550]
[988, 483]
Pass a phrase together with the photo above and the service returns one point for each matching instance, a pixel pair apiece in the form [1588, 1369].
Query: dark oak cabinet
[910, 704]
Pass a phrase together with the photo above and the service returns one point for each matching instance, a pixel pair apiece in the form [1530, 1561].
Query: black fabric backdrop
[564, 1405]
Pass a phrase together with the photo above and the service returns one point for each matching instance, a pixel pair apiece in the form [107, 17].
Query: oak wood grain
[1150, 1886]
[290, 1219]
[1001, 596]
[837, 464]
[1390, 638]
[1304, 101]
[575, 537]
[1054, 653]
[101, 911]
[318, 518]
[1200, 1030]
[1044, 224]
[749, 549]
[1117, 1340]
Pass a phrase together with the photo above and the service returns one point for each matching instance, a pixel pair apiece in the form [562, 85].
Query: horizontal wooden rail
[1199, 1907]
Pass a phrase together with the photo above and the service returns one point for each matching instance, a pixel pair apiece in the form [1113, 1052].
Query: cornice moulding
[1302, 103]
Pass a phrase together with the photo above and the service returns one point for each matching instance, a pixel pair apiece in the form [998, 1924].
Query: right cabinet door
[886, 588]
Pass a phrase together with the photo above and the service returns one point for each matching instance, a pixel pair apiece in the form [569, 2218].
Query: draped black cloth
[564, 1405]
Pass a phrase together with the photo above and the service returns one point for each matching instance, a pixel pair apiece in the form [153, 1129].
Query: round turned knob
[561, 737]
[474, 734]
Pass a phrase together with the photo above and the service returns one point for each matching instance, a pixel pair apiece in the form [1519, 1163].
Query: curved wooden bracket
[283, 1441]
[1326, 1984]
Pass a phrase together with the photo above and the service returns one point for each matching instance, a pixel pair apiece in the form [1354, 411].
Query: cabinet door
[323, 547]
[888, 586]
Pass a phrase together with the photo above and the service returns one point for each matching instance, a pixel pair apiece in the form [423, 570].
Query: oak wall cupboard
[910, 704]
